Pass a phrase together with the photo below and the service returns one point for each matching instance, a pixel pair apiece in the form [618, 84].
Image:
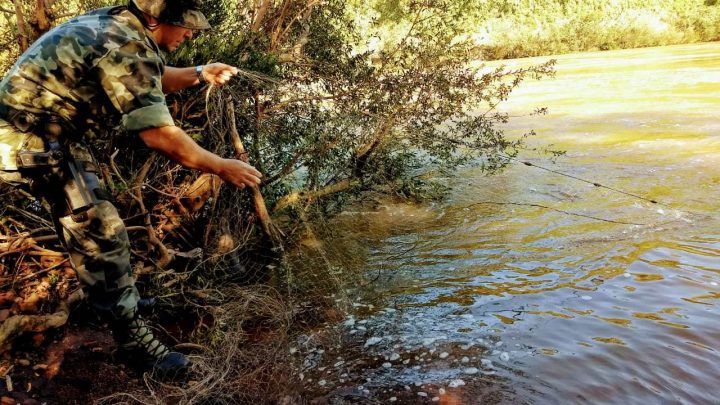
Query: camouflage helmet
[183, 13]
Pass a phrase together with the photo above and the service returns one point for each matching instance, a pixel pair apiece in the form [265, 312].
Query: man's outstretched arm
[174, 143]
[175, 79]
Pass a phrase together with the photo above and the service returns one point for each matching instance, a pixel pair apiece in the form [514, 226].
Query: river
[501, 295]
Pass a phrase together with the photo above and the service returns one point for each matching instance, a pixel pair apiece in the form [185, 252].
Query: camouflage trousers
[99, 250]
[96, 239]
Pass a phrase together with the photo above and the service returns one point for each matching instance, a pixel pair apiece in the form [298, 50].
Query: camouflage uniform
[84, 77]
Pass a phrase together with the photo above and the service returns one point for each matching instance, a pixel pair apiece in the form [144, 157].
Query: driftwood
[191, 201]
[16, 325]
[261, 211]
[306, 196]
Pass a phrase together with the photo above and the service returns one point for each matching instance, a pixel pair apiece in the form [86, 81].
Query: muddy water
[479, 300]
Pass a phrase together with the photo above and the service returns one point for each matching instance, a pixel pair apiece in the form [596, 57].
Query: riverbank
[524, 28]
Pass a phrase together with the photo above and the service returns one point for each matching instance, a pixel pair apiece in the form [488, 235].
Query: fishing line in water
[596, 184]
[554, 209]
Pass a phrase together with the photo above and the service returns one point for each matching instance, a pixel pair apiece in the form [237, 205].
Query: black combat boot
[138, 345]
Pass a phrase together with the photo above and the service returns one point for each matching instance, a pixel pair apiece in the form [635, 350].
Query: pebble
[350, 323]
[339, 363]
[394, 356]
[387, 365]
[322, 383]
[486, 363]
[441, 391]
[422, 394]
[456, 383]
[392, 399]
[293, 350]
[23, 362]
[435, 399]
[373, 341]
[714, 283]
[471, 370]
[444, 355]
[504, 356]
[465, 359]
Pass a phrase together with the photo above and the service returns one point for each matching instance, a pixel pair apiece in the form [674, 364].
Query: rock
[373, 341]
[504, 356]
[471, 370]
[456, 383]
[387, 365]
[444, 355]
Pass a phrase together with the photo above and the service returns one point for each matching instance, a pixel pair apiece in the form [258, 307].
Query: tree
[328, 107]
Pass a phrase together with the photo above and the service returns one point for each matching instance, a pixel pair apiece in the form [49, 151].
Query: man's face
[172, 36]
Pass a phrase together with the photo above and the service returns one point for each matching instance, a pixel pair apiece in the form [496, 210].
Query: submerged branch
[305, 196]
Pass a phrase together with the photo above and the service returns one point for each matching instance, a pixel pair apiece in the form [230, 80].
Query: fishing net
[235, 290]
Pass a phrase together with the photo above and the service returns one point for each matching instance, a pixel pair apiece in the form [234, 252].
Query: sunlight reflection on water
[589, 310]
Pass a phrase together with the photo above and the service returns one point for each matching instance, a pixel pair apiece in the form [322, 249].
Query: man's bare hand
[239, 173]
[218, 73]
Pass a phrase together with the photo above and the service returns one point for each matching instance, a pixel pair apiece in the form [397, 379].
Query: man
[62, 96]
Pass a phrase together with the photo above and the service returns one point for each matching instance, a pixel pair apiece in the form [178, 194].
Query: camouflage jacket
[92, 73]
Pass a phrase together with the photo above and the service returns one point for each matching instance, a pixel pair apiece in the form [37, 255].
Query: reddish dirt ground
[75, 368]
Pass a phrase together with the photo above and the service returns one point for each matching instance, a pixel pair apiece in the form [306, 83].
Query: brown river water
[478, 302]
